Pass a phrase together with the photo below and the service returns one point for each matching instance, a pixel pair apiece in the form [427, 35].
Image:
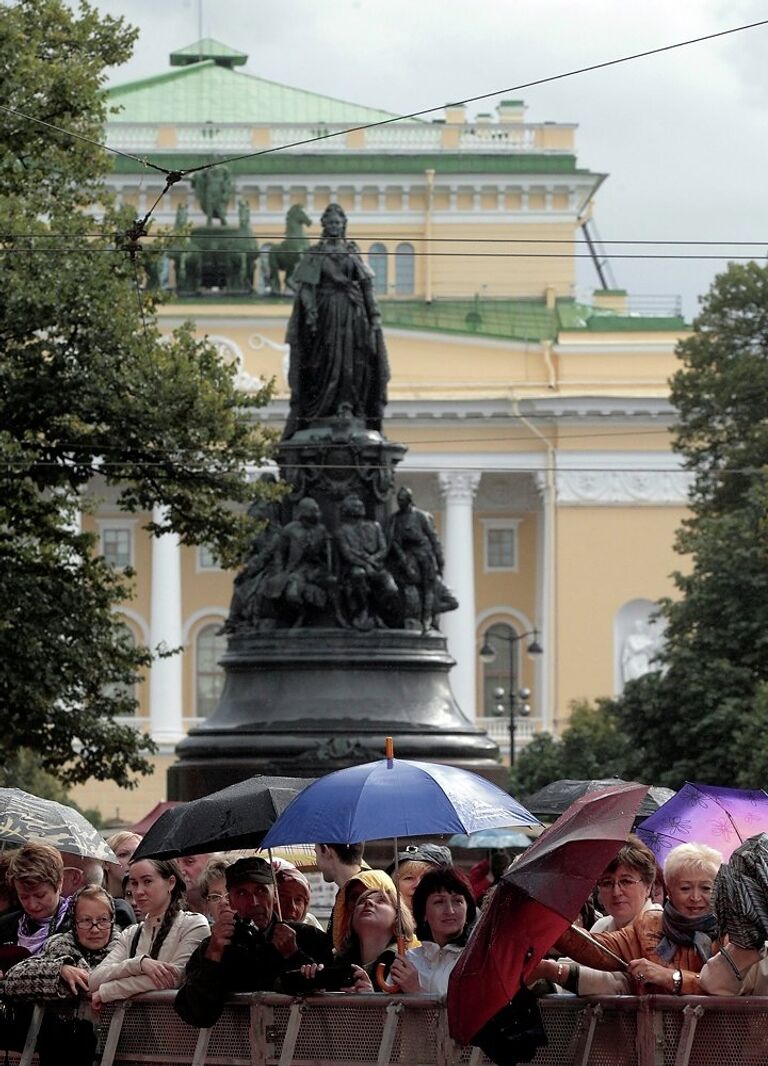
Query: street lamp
[488, 654]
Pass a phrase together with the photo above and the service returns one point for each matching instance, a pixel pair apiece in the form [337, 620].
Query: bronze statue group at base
[353, 571]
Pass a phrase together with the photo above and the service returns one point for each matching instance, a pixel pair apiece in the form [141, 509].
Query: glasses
[216, 897]
[93, 923]
[624, 883]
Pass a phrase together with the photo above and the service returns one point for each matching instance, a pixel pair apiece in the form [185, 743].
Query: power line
[393, 237]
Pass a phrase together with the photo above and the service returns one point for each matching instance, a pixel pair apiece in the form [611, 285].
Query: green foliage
[92, 402]
[22, 769]
[591, 746]
[703, 716]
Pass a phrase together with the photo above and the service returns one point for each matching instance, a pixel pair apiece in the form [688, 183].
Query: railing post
[592, 1014]
[650, 1033]
[32, 1034]
[691, 1017]
[388, 1034]
[291, 1033]
[113, 1035]
[201, 1047]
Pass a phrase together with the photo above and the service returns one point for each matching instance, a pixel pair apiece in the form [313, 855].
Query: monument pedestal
[307, 701]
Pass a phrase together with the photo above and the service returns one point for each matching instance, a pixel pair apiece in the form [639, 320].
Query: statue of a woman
[338, 363]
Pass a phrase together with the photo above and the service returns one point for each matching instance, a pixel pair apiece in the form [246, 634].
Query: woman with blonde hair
[123, 843]
[152, 954]
[348, 896]
[665, 949]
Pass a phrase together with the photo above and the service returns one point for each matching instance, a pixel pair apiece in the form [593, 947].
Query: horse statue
[213, 189]
[285, 256]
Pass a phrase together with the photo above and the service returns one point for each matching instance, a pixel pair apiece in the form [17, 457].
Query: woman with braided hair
[152, 954]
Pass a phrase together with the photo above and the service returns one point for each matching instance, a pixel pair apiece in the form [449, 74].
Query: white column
[458, 489]
[165, 677]
[545, 695]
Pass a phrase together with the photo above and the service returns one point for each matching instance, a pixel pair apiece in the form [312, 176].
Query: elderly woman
[338, 362]
[294, 893]
[665, 950]
[413, 863]
[444, 909]
[35, 873]
[60, 971]
[624, 890]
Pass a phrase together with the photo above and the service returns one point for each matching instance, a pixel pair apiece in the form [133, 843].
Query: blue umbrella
[395, 798]
[490, 838]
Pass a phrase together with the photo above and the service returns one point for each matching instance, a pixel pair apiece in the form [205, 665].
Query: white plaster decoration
[165, 675]
[458, 489]
[638, 638]
[622, 487]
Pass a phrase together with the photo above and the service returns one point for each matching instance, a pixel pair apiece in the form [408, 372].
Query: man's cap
[248, 869]
[434, 854]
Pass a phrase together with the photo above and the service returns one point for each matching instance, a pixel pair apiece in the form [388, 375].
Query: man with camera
[249, 950]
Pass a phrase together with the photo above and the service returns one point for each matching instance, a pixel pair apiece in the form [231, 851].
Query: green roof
[206, 91]
[522, 320]
[207, 48]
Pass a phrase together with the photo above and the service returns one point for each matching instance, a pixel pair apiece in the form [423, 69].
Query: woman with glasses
[624, 890]
[664, 950]
[60, 971]
[153, 954]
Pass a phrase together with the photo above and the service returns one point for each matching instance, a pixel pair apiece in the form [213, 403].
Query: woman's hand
[547, 970]
[161, 974]
[362, 981]
[651, 973]
[74, 977]
[96, 1002]
[405, 974]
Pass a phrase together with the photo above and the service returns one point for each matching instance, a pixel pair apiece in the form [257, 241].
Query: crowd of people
[210, 926]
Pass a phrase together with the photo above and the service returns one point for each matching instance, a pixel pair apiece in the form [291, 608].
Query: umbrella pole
[274, 885]
[584, 935]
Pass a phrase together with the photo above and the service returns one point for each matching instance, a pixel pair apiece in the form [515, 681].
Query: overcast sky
[683, 135]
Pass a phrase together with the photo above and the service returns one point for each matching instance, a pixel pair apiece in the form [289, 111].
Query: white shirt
[434, 965]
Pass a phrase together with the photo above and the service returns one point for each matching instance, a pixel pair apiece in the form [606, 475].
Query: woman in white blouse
[153, 954]
[445, 910]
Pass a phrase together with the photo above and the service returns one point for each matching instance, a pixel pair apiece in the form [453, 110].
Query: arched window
[209, 676]
[379, 264]
[497, 674]
[404, 269]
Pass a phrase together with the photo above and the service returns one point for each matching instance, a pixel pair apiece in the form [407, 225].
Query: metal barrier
[373, 1030]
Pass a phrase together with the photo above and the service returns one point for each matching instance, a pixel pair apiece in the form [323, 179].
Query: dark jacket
[249, 964]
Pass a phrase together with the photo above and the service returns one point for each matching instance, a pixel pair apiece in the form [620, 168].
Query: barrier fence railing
[373, 1030]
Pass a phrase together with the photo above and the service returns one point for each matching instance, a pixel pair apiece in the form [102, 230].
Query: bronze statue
[250, 607]
[338, 364]
[303, 583]
[367, 588]
[285, 256]
[213, 189]
[417, 562]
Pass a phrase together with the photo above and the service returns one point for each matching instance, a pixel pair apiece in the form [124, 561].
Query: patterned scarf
[32, 935]
[680, 931]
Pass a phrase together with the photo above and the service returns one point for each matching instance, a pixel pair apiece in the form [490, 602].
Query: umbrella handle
[381, 981]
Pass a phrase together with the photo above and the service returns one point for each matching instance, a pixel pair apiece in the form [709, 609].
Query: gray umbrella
[25, 817]
[553, 799]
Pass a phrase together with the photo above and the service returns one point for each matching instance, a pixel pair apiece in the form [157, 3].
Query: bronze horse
[285, 256]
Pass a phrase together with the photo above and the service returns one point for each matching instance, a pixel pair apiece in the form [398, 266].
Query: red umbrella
[535, 902]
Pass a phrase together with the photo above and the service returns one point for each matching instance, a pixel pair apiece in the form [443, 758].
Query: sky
[682, 135]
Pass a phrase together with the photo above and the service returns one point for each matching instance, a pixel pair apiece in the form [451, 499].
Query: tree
[22, 770]
[591, 746]
[702, 714]
[90, 394]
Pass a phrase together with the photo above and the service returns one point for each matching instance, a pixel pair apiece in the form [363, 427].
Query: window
[209, 676]
[116, 547]
[379, 264]
[206, 560]
[404, 270]
[496, 674]
[500, 545]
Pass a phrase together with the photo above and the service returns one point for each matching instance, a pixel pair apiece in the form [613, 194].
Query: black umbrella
[235, 817]
[553, 799]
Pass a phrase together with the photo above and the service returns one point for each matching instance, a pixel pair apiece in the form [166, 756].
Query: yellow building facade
[537, 425]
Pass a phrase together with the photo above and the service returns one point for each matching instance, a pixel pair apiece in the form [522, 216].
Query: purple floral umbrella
[707, 814]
